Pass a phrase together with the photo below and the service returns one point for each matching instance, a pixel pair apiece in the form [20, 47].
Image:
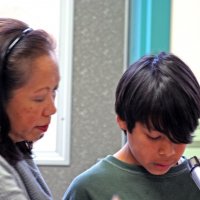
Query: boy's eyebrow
[148, 126]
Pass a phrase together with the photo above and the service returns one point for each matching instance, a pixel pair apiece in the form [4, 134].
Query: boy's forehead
[149, 126]
[155, 124]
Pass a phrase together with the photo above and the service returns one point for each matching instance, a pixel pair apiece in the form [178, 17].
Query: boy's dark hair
[161, 92]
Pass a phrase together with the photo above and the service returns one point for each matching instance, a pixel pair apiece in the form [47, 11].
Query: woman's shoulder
[6, 168]
[10, 181]
[4, 163]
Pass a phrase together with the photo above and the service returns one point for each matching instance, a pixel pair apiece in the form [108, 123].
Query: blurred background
[97, 40]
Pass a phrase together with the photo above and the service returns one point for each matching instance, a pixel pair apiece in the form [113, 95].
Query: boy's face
[150, 149]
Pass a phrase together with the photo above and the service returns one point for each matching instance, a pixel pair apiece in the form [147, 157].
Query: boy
[158, 107]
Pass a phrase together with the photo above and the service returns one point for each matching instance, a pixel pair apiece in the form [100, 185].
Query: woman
[29, 78]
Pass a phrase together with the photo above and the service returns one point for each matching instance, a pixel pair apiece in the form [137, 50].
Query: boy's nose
[167, 148]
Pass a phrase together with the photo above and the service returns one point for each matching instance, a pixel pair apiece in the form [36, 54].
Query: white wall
[185, 32]
[185, 43]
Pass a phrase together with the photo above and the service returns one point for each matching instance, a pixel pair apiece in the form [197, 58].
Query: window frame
[145, 34]
[61, 154]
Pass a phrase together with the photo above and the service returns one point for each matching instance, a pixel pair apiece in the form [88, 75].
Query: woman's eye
[54, 93]
[39, 99]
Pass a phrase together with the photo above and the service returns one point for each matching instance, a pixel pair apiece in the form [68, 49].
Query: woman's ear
[121, 123]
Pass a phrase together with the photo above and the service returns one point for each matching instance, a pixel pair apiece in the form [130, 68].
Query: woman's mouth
[43, 128]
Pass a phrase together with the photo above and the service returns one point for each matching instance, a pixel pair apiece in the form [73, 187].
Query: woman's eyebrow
[42, 89]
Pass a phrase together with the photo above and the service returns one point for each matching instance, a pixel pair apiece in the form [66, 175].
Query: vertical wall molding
[149, 27]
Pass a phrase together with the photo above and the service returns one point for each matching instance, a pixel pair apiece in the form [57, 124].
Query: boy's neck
[125, 155]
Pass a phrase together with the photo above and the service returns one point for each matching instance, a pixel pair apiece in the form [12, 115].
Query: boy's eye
[154, 137]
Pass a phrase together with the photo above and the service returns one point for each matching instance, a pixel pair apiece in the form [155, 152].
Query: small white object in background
[194, 167]
[115, 197]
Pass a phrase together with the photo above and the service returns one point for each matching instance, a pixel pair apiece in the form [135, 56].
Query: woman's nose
[50, 108]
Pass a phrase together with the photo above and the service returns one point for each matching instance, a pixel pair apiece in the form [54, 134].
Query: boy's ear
[121, 123]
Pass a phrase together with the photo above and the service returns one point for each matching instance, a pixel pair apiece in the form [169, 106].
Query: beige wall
[98, 62]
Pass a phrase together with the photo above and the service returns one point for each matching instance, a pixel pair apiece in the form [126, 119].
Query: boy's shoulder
[99, 177]
[95, 171]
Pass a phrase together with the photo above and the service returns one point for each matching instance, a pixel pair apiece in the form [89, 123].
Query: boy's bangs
[168, 119]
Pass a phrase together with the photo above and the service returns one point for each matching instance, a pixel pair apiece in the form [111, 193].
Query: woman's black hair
[161, 92]
[18, 44]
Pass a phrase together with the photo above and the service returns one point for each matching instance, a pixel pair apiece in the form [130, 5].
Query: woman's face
[151, 149]
[32, 105]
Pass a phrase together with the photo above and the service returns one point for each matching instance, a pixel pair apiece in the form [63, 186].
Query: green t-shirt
[111, 177]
